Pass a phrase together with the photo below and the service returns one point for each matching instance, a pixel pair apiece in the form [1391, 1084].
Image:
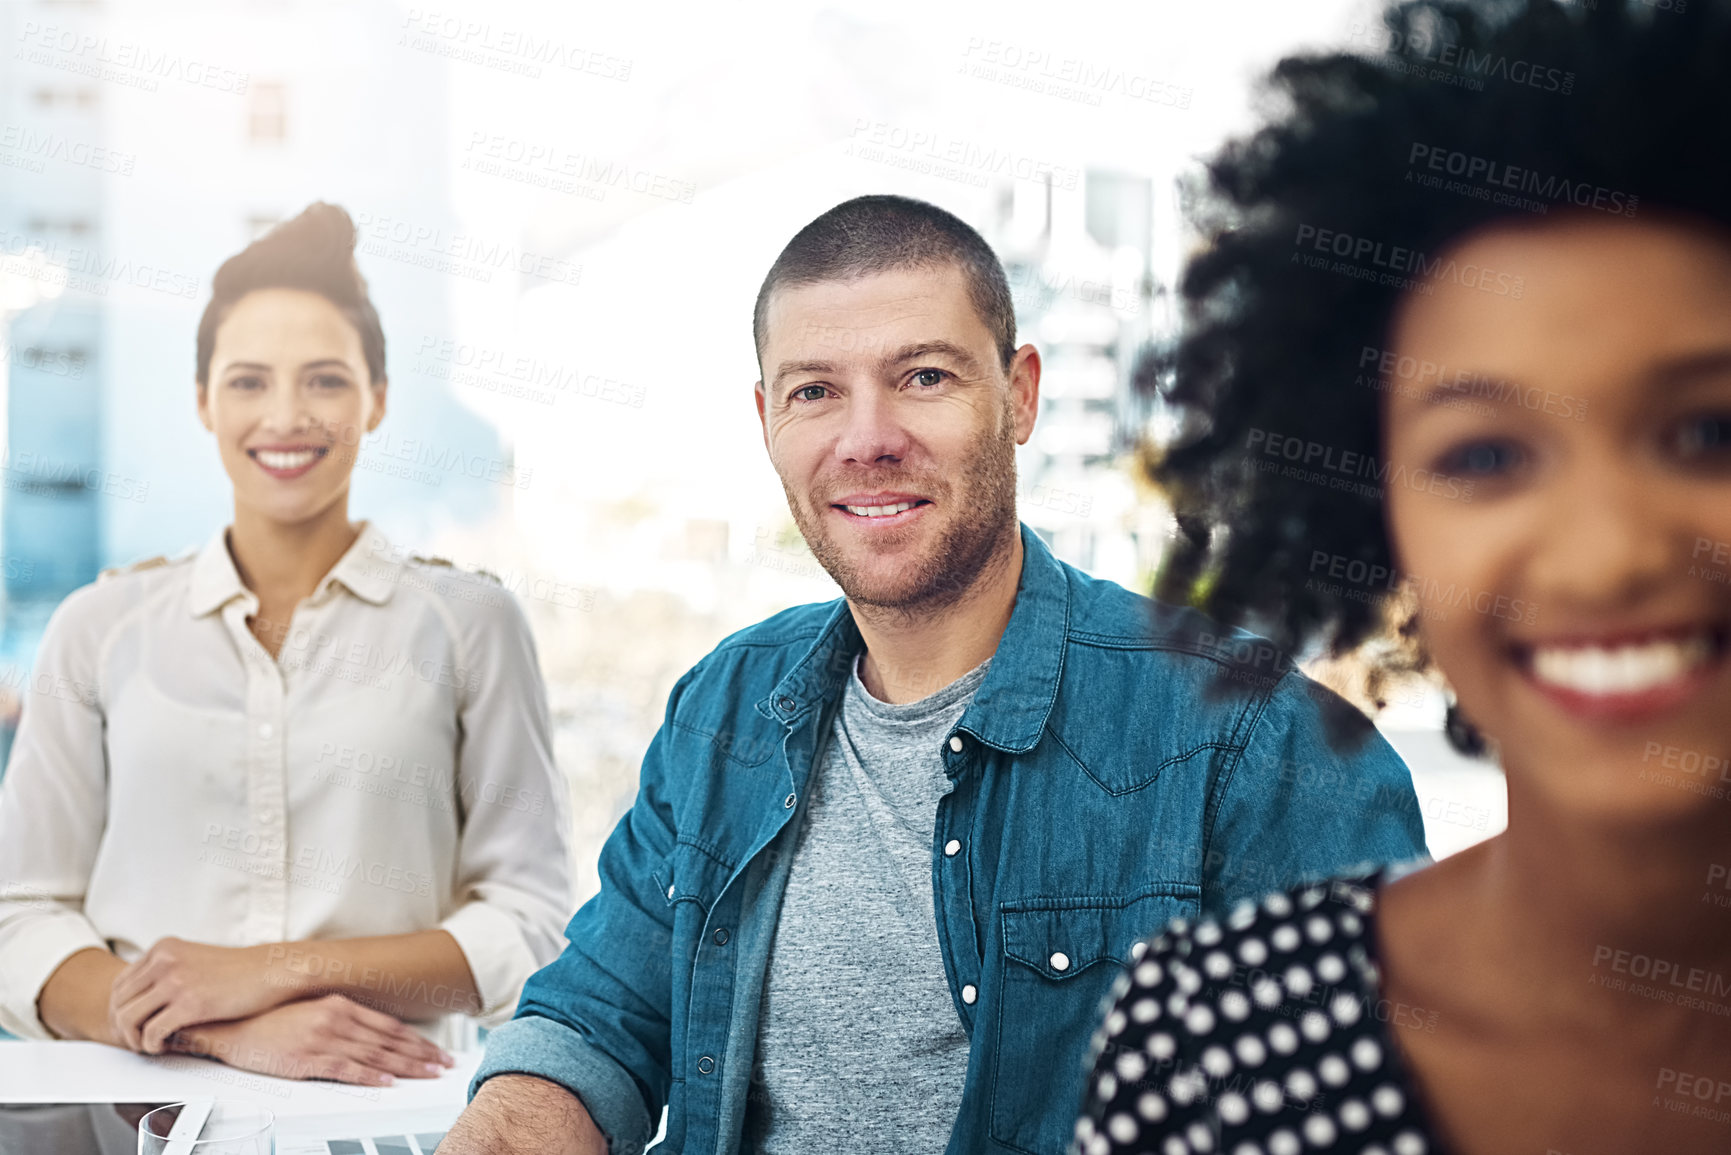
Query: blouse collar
[368, 569]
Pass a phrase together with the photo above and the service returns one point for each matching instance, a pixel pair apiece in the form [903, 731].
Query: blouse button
[1060, 961]
[265, 730]
[969, 994]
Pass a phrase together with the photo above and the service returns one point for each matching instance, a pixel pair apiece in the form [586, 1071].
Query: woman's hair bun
[314, 251]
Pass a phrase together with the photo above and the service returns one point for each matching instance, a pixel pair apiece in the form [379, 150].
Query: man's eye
[809, 393]
[1482, 459]
[1704, 435]
[930, 377]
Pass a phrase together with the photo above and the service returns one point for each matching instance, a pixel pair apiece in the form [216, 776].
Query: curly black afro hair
[1447, 117]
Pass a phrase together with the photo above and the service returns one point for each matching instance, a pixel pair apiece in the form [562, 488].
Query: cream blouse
[390, 771]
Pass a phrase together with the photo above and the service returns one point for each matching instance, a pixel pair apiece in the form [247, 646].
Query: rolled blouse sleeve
[513, 885]
[52, 813]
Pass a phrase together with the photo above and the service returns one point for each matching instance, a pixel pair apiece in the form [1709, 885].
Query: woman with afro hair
[1456, 393]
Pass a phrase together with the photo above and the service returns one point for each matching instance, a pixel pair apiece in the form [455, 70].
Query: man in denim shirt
[1052, 755]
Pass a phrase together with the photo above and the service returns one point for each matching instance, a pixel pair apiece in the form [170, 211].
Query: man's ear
[1025, 391]
[762, 415]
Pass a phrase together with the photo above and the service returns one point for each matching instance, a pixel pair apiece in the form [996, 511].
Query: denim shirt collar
[1010, 710]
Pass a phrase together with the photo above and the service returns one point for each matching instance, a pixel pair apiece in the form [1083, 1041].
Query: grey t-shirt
[859, 1048]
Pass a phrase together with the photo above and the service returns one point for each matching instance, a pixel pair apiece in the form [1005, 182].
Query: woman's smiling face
[289, 399]
[1578, 599]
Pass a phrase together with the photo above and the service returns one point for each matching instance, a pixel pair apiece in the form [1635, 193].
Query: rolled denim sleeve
[596, 1020]
[1307, 798]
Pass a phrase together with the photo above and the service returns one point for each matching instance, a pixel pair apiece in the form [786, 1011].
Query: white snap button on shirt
[1060, 961]
[969, 994]
[956, 743]
[951, 847]
[670, 892]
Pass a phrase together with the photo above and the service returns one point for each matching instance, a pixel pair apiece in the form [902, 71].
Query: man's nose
[873, 431]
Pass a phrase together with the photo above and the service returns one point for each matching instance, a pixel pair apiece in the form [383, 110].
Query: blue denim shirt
[1099, 792]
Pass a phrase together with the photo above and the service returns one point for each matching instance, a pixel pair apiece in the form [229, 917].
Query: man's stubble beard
[985, 498]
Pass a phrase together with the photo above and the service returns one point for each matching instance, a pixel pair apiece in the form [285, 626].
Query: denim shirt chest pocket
[1060, 957]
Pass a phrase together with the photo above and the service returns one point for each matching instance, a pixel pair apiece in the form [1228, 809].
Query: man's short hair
[875, 234]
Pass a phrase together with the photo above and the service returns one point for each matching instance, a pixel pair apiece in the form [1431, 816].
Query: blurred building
[51, 207]
[1081, 270]
[139, 147]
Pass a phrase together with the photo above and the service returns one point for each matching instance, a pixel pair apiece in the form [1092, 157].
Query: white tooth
[1592, 670]
[276, 459]
[1626, 668]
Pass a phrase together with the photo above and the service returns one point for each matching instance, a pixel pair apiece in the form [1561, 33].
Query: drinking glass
[233, 1128]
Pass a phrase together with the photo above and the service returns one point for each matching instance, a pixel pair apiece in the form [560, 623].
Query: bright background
[566, 211]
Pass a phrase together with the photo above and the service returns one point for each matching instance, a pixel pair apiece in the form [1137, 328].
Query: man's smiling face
[893, 423]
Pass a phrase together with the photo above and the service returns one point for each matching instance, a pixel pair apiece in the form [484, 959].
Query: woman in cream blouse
[279, 801]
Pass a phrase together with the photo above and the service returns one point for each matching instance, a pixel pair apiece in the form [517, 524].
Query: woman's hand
[332, 1037]
[178, 984]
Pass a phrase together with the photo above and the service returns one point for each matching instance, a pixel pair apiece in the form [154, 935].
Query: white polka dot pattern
[1256, 1035]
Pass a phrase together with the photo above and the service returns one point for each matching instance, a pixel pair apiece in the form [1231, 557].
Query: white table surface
[68, 1072]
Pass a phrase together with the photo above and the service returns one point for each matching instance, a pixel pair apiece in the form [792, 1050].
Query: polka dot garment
[1265, 1034]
